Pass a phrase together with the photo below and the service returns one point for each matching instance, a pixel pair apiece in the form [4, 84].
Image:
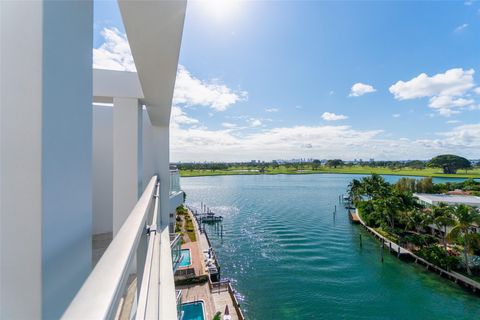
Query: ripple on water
[292, 259]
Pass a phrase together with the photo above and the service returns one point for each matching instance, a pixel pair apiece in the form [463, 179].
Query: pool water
[185, 259]
[193, 311]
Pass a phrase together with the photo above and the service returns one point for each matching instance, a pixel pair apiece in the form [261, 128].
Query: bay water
[290, 257]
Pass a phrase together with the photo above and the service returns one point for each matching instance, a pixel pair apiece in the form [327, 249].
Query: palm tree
[465, 216]
[388, 208]
[375, 186]
[416, 219]
[441, 216]
[355, 190]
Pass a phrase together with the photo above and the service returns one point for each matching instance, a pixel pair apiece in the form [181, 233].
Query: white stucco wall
[102, 169]
[46, 152]
[148, 149]
[67, 152]
[20, 165]
[103, 164]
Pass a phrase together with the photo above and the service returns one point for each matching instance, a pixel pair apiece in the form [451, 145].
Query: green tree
[416, 219]
[406, 185]
[375, 186]
[388, 209]
[442, 217]
[465, 216]
[416, 164]
[334, 163]
[316, 164]
[450, 163]
[355, 190]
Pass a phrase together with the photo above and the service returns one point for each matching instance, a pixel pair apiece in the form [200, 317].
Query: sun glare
[221, 9]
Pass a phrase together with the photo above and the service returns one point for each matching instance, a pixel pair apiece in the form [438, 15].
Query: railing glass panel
[174, 181]
[176, 248]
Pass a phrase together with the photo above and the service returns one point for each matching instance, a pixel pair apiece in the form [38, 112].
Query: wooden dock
[394, 248]
[354, 216]
[220, 292]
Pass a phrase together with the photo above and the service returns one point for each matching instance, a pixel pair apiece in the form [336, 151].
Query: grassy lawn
[427, 172]
[386, 234]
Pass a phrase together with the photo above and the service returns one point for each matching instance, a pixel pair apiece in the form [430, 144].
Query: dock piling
[383, 246]
[361, 245]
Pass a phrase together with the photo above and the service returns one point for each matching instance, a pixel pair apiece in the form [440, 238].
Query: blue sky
[269, 80]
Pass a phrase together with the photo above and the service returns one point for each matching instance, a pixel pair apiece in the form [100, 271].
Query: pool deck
[199, 292]
[195, 258]
[215, 298]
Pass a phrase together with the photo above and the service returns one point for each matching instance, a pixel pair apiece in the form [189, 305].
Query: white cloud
[271, 110]
[190, 91]
[114, 53]
[453, 121]
[447, 91]
[396, 115]
[477, 90]
[461, 27]
[330, 116]
[317, 142]
[359, 89]
[254, 122]
[453, 82]
[179, 117]
[465, 136]
[229, 125]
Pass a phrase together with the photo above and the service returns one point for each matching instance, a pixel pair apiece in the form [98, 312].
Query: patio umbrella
[226, 314]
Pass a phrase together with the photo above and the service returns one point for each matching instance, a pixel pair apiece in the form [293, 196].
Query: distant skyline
[281, 80]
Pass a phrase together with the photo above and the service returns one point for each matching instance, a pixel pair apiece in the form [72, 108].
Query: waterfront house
[87, 196]
[429, 200]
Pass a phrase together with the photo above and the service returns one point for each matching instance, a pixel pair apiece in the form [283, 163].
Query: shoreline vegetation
[309, 169]
[444, 235]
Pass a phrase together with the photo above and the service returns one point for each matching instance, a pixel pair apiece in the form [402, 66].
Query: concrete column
[102, 169]
[127, 158]
[45, 158]
[162, 157]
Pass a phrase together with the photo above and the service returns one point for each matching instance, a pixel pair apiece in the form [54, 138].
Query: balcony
[174, 180]
[176, 248]
[136, 267]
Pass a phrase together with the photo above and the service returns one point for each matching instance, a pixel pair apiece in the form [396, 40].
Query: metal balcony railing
[179, 304]
[174, 181]
[102, 293]
[176, 248]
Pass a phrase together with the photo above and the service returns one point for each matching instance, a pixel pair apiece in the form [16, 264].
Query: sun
[221, 9]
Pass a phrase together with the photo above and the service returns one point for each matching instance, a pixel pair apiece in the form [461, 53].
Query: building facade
[71, 169]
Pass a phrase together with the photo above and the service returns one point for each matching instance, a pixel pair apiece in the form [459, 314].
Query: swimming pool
[193, 311]
[185, 258]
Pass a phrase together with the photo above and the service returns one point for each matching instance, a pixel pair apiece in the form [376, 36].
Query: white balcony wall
[102, 169]
[46, 152]
[127, 158]
[103, 164]
[148, 149]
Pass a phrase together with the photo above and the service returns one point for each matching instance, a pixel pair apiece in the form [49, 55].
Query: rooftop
[449, 199]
